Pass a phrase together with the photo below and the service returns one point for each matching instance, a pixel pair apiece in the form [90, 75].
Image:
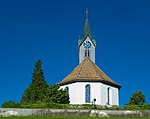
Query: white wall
[82, 51]
[113, 95]
[98, 91]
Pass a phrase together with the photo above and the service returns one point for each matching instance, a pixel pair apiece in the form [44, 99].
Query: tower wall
[82, 51]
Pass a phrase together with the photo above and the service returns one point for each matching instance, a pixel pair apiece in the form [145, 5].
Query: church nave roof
[87, 71]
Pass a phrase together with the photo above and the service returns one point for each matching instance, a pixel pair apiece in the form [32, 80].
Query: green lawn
[61, 117]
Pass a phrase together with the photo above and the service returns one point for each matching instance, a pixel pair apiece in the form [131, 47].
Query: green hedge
[10, 104]
[45, 105]
[69, 106]
[55, 106]
[137, 107]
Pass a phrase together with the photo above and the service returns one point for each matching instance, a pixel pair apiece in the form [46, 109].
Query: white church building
[87, 82]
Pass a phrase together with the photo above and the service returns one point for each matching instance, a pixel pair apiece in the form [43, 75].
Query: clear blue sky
[49, 30]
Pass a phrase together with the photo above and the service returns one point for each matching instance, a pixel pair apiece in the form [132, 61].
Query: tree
[137, 98]
[63, 96]
[39, 91]
[36, 92]
[57, 95]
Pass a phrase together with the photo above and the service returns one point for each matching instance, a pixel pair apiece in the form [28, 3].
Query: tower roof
[87, 71]
[86, 31]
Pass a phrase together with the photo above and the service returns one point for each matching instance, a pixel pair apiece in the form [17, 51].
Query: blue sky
[49, 30]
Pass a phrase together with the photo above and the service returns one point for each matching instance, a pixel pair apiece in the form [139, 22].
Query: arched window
[87, 93]
[108, 95]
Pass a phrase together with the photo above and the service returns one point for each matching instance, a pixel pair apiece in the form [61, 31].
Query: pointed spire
[86, 13]
[86, 31]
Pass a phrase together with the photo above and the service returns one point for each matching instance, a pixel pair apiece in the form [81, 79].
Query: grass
[62, 117]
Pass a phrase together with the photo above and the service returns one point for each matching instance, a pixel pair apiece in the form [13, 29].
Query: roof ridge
[102, 74]
[93, 64]
[81, 68]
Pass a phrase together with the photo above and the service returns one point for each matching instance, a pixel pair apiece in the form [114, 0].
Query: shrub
[113, 107]
[10, 104]
[137, 107]
[87, 106]
[56, 106]
[45, 105]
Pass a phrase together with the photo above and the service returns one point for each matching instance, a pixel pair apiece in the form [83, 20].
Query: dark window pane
[87, 93]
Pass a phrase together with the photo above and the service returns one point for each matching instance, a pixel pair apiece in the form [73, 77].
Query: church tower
[86, 44]
[87, 82]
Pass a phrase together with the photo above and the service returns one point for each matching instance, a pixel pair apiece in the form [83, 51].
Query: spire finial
[86, 31]
[86, 13]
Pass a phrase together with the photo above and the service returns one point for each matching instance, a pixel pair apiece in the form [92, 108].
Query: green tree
[36, 92]
[137, 98]
[57, 95]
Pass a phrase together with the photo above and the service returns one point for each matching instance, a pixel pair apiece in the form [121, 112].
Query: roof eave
[79, 80]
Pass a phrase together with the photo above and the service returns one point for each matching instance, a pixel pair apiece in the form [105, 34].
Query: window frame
[88, 93]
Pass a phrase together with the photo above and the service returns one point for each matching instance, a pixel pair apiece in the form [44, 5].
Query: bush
[113, 107]
[137, 107]
[56, 106]
[45, 105]
[87, 106]
[10, 104]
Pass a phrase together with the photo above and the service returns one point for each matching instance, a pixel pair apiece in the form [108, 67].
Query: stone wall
[72, 112]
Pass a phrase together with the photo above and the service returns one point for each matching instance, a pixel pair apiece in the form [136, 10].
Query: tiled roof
[88, 71]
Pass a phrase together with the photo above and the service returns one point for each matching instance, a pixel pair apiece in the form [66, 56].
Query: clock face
[87, 44]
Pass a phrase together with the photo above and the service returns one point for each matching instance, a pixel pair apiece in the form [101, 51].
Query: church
[87, 83]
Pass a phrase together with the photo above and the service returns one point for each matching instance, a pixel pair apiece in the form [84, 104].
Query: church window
[108, 96]
[87, 93]
[87, 53]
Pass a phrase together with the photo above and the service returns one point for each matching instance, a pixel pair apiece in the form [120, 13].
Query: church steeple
[86, 31]
[86, 44]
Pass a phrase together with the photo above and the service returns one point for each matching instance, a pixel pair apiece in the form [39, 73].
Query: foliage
[137, 102]
[56, 95]
[45, 105]
[87, 106]
[67, 106]
[105, 107]
[10, 104]
[137, 98]
[137, 107]
[37, 90]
